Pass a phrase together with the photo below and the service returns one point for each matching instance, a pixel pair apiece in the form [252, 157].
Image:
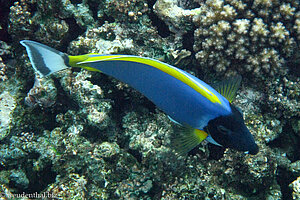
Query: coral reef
[42, 94]
[73, 186]
[283, 96]
[20, 20]
[82, 135]
[175, 16]
[4, 52]
[7, 106]
[295, 185]
[233, 34]
[112, 43]
[3, 69]
[19, 179]
[90, 99]
[144, 134]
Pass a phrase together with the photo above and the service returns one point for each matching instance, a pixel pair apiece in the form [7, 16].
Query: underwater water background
[84, 135]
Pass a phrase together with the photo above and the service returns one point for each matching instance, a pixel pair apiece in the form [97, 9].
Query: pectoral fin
[187, 138]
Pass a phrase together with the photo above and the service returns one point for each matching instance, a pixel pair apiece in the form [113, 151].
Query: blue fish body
[182, 103]
[202, 112]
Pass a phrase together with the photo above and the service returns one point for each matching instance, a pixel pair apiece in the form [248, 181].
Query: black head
[230, 131]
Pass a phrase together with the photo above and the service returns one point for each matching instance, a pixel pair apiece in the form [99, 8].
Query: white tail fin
[45, 60]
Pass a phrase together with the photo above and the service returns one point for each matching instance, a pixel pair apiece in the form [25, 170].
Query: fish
[199, 111]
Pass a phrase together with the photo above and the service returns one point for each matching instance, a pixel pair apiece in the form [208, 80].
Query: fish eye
[222, 129]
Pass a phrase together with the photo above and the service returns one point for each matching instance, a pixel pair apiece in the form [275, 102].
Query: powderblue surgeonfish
[200, 111]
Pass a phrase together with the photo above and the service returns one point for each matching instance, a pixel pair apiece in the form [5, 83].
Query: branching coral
[48, 21]
[256, 37]
[295, 186]
[238, 35]
[4, 53]
[3, 69]
[20, 20]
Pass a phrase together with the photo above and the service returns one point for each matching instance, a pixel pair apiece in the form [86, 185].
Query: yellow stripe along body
[84, 59]
[185, 98]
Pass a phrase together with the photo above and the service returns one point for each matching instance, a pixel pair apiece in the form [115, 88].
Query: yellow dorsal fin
[229, 87]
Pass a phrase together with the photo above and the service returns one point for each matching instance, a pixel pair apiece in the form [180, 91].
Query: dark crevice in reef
[188, 41]
[149, 105]
[288, 141]
[74, 31]
[116, 98]
[94, 7]
[93, 134]
[32, 8]
[105, 18]
[216, 152]
[161, 26]
[293, 63]
[136, 154]
[38, 181]
[151, 3]
[64, 102]
[76, 1]
[284, 178]
[156, 191]
[39, 120]
[294, 67]
[118, 101]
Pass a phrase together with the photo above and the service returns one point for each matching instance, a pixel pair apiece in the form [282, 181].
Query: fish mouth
[245, 144]
[251, 149]
[254, 150]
